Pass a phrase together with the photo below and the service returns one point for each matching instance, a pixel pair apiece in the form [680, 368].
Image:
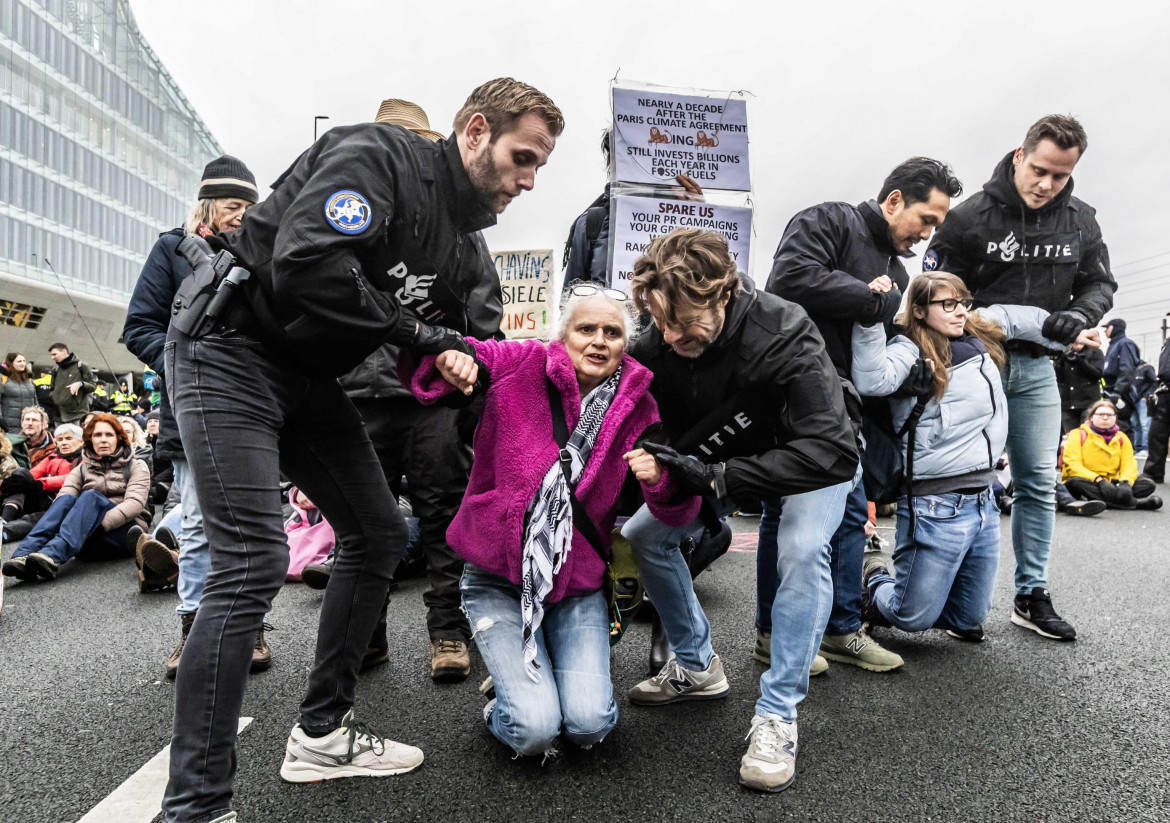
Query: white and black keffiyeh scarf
[548, 532]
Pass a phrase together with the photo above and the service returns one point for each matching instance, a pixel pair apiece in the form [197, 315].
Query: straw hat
[409, 116]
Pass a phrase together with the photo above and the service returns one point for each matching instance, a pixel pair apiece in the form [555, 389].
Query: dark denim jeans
[71, 524]
[846, 552]
[245, 416]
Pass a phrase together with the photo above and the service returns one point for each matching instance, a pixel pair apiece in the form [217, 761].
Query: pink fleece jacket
[514, 449]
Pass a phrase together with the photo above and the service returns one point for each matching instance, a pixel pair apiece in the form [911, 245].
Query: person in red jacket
[29, 491]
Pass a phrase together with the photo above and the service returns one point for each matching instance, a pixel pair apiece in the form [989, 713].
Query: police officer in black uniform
[1026, 240]
[367, 211]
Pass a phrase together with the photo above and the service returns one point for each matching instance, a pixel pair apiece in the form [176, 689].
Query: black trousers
[1159, 437]
[422, 443]
[246, 416]
[21, 493]
[1083, 489]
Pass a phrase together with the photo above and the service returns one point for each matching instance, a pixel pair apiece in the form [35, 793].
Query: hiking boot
[1034, 611]
[168, 538]
[158, 566]
[173, 660]
[261, 652]
[871, 566]
[352, 750]
[675, 683]
[1083, 508]
[377, 653]
[762, 653]
[44, 566]
[316, 575]
[770, 762]
[974, 635]
[18, 567]
[1151, 503]
[450, 662]
[859, 649]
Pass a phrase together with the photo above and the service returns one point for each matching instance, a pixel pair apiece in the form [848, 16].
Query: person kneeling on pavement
[947, 550]
[1099, 463]
[102, 499]
[535, 528]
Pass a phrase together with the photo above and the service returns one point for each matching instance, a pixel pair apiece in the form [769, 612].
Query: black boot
[659, 645]
[709, 549]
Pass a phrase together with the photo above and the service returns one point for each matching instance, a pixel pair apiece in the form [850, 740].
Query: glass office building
[99, 152]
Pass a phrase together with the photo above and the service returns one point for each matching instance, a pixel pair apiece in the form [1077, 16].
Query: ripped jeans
[576, 701]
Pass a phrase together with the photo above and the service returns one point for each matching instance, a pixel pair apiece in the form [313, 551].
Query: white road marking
[139, 798]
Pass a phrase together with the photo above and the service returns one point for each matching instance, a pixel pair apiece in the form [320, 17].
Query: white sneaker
[770, 762]
[352, 750]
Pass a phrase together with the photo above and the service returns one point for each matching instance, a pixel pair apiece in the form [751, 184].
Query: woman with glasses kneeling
[532, 586]
[1099, 463]
[952, 417]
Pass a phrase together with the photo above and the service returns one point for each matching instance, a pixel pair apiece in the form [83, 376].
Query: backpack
[883, 466]
[595, 216]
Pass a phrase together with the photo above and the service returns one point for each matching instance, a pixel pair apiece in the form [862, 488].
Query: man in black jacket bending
[843, 265]
[754, 410]
[362, 218]
[1026, 240]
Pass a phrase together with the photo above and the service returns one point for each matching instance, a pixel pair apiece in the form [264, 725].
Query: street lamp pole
[315, 119]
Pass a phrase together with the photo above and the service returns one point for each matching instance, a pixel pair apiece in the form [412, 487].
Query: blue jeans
[945, 574]
[194, 550]
[846, 552]
[71, 524]
[668, 582]
[1141, 427]
[1032, 443]
[572, 645]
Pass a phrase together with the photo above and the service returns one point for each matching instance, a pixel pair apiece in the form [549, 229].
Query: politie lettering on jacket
[717, 440]
[1056, 247]
[413, 291]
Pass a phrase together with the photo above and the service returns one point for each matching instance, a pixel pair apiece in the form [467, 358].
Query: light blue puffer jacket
[966, 430]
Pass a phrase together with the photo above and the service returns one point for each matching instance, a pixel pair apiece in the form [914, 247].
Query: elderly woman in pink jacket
[532, 586]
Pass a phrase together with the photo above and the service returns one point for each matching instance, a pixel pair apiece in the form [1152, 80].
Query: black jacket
[824, 263]
[764, 398]
[1078, 376]
[473, 305]
[1053, 257]
[147, 319]
[346, 251]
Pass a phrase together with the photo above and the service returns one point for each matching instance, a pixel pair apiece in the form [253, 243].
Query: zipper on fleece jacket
[991, 392]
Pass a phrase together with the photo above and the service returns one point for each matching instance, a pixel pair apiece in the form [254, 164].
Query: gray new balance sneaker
[770, 762]
[859, 649]
[675, 683]
[762, 653]
[352, 750]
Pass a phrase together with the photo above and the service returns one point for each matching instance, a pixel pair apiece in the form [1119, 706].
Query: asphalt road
[1016, 728]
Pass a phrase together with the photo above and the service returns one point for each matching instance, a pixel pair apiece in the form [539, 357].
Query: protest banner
[659, 134]
[635, 221]
[526, 278]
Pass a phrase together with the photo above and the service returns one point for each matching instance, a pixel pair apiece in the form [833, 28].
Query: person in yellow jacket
[1099, 463]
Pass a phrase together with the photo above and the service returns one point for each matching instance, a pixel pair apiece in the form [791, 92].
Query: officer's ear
[477, 132]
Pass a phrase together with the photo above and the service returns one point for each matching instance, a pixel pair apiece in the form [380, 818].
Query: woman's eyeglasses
[586, 289]
[950, 304]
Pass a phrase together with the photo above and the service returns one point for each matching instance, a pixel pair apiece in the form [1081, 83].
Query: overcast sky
[840, 93]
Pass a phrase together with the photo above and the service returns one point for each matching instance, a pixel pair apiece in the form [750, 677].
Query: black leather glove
[920, 381]
[437, 339]
[888, 304]
[698, 478]
[1064, 326]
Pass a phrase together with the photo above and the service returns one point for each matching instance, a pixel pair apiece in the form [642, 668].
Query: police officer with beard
[364, 213]
[1025, 240]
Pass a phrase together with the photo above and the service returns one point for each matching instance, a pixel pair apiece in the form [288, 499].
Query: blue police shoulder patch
[930, 260]
[347, 211]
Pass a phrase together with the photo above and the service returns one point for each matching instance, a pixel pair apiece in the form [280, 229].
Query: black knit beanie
[227, 176]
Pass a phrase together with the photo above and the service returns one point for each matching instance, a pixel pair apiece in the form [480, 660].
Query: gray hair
[571, 302]
[202, 213]
[68, 428]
